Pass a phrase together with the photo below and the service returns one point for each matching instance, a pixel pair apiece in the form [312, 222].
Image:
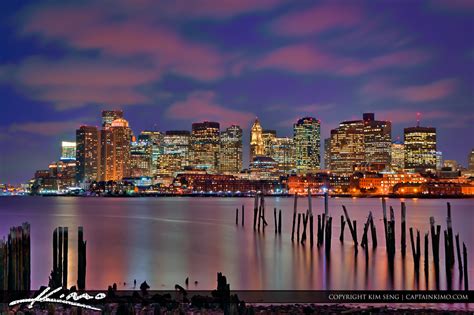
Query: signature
[71, 299]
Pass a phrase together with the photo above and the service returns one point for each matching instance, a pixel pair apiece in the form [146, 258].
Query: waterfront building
[420, 149]
[307, 138]
[397, 156]
[256, 141]
[108, 116]
[347, 146]
[205, 145]
[283, 153]
[87, 154]
[141, 157]
[115, 150]
[327, 153]
[377, 140]
[264, 167]
[63, 174]
[230, 160]
[452, 164]
[268, 136]
[155, 138]
[68, 151]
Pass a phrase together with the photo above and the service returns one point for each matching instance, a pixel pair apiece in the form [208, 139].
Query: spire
[418, 117]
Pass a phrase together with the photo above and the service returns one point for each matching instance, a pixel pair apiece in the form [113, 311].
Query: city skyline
[230, 64]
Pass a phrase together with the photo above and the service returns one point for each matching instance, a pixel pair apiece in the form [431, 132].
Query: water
[165, 240]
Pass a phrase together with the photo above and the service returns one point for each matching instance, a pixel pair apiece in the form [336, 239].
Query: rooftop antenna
[418, 117]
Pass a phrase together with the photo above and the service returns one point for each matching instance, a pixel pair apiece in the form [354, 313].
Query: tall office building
[230, 160]
[307, 141]
[283, 153]
[470, 160]
[141, 157]
[327, 153]
[256, 141]
[347, 146]
[87, 154]
[156, 141]
[420, 149]
[68, 151]
[268, 136]
[176, 152]
[115, 150]
[205, 144]
[108, 116]
[398, 156]
[377, 140]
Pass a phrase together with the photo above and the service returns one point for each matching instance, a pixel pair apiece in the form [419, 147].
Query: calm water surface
[165, 240]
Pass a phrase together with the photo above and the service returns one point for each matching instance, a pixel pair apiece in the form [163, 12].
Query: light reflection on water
[165, 240]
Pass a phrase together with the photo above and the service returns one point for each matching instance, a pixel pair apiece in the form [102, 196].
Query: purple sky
[171, 63]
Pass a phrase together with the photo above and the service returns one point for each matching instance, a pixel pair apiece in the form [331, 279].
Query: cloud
[201, 105]
[304, 58]
[433, 91]
[318, 19]
[47, 128]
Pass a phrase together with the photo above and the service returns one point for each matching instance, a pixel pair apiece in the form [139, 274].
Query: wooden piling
[384, 209]
[328, 236]
[426, 256]
[255, 210]
[373, 231]
[310, 207]
[236, 216]
[279, 221]
[343, 223]
[243, 215]
[305, 222]
[81, 259]
[60, 255]
[294, 217]
[414, 251]
[311, 229]
[458, 250]
[65, 258]
[403, 230]
[354, 223]
[464, 254]
[55, 251]
[450, 236]
[298, 230]
[351, 227]
[435, 241]
[259, 216]
[326, 204]
[275, 218]
[364, 241]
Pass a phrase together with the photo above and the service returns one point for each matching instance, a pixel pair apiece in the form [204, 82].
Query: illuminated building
[63, 173]
[68, 151]
[347, 146]
[452, 164]
[256, 141]
[283, 152]
[263, 167]
[108, 116]
[398, 157]
[141, 157]
[268, 136]
[156, 141]
[327, 152]
[87, 154]
[205, 144]
[230, 160]
[439, 160]
[176, 154]
[306, 135]
[420, 148]
[377, 140]
[115, 151]
[470, 160]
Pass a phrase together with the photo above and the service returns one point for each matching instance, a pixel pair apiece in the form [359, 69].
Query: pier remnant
[81, 259]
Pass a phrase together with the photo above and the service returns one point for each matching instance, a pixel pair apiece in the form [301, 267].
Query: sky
[170, 63]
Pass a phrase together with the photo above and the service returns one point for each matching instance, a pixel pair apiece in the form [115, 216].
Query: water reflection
[165, 240]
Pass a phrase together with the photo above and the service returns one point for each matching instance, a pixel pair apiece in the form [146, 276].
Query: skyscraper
[268, 136]
[377, 140]
[156, 141]
[470, 160]
[115, 150]
[108, 116]
[347, 146]
[283, 153]
[420, 148]
[141, 157]
[205, 144]
[327, 153]
[256, 141]
[176, 152]
[398, 156]
[68, 151]
[231, 150]
[307, 141]
[87, 154]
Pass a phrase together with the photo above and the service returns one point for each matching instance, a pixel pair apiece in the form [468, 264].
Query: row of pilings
[302, 229]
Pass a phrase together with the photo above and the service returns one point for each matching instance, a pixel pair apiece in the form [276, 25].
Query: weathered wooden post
[435, 242]
[373, 231]
[65, 258]
[255, 210]
[384, 209]
[298, 230]
[305, 221]
[464, 254]
[403, 230]
[236, 216]
[450, 236]
[458, 250]
[354, 223]
[294, 217]
[275, 218]
[311, 229]
[326, 204]
[55, 251]
[414, 252]
[81, 259]
[328, 236]
[243, 215]
[60, 255]
[343, 223]
[351, 227]
[426, 256]
[279, 221]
